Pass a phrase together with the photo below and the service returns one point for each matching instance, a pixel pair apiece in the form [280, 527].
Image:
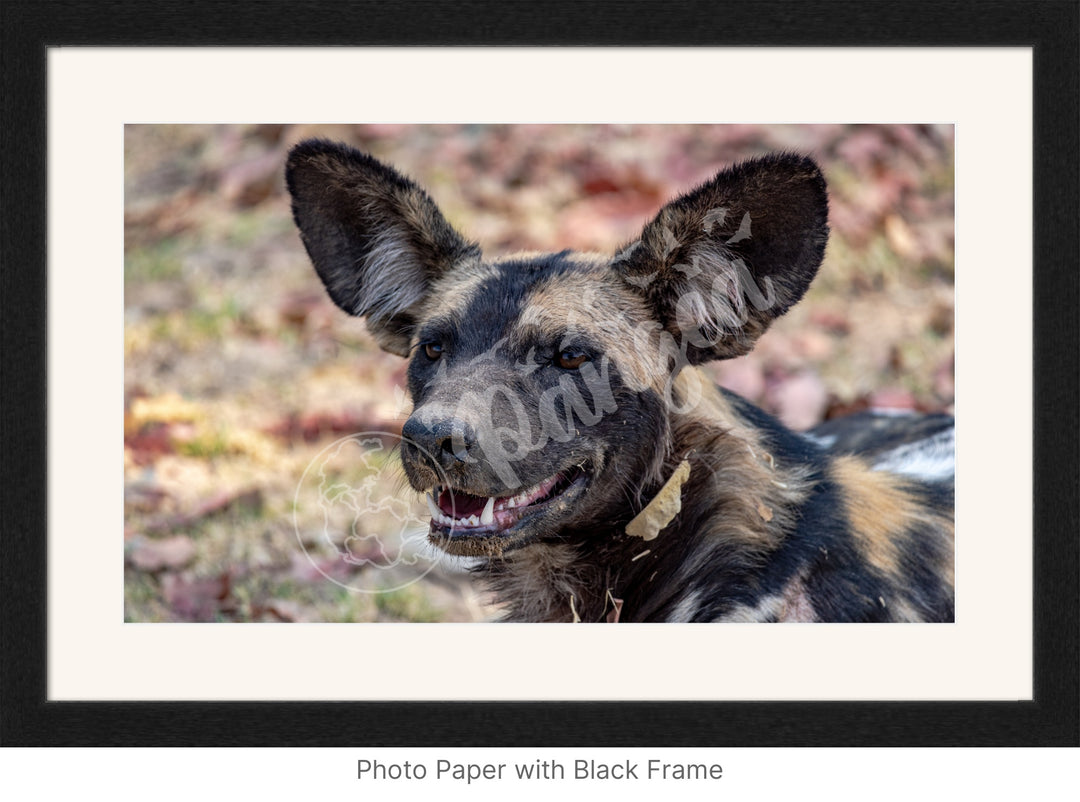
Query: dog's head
[542, 383]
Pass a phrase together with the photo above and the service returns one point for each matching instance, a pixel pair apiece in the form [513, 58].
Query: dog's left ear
[720, 263]
[376, 239]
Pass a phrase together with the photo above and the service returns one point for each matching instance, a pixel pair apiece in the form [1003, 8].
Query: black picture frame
[27, 717]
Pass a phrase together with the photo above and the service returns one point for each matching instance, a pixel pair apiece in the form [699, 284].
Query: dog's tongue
[461, 505]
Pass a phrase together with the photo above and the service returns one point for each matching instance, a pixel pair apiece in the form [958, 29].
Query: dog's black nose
[448, 442]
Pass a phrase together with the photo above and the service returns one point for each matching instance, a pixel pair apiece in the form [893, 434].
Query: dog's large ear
[720, 263]
[376, 239]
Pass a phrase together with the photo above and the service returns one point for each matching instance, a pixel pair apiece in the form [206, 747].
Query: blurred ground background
[242, 501]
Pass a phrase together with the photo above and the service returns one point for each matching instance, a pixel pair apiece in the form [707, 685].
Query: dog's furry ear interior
[720, 263]
[376, 239]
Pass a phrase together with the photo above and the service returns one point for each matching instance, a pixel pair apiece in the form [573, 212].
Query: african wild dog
[563, 434]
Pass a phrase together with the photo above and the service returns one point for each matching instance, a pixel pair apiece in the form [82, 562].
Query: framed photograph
[208, 539]
[312, 434]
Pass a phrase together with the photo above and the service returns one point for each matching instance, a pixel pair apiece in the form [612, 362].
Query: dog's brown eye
[433, 350]
[571, 360]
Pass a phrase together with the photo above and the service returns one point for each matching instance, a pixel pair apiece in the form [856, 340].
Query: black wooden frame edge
[26, 718]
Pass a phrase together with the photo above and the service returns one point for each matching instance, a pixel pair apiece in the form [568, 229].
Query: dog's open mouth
[456, 514]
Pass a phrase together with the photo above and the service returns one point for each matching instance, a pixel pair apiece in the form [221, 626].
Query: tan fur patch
[751, 498]
[700, 399]
[878, 509]
[900, 609]
[455, 290]
[592, 302]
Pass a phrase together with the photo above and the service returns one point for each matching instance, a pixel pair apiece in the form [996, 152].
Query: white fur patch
[686, 609]
[932, 459]
[393, 280]
[792, 606]
[823, 441]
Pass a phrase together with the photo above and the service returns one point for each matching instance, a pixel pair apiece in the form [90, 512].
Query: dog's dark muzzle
[446, 445]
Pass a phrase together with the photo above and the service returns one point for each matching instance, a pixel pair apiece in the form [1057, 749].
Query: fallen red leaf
[155, 555]
[200, 599]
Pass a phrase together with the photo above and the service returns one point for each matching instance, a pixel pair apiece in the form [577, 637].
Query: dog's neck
[729, 470]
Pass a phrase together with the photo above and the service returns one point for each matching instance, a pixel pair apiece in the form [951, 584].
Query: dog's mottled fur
[572, 380]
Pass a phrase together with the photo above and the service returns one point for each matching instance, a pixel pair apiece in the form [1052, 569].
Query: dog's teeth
[432, 506]
[472, 520]
[488, 515]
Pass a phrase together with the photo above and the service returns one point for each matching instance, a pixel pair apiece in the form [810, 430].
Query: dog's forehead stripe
[454, 291]
[489, 300]
[526, 301]
[563, 294]
[584, 301]
[602, 311]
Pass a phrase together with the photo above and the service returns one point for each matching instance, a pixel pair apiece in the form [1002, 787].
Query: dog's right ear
[376, 239]
[719, 264]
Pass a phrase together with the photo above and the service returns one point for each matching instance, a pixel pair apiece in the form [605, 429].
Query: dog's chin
[473, 526]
